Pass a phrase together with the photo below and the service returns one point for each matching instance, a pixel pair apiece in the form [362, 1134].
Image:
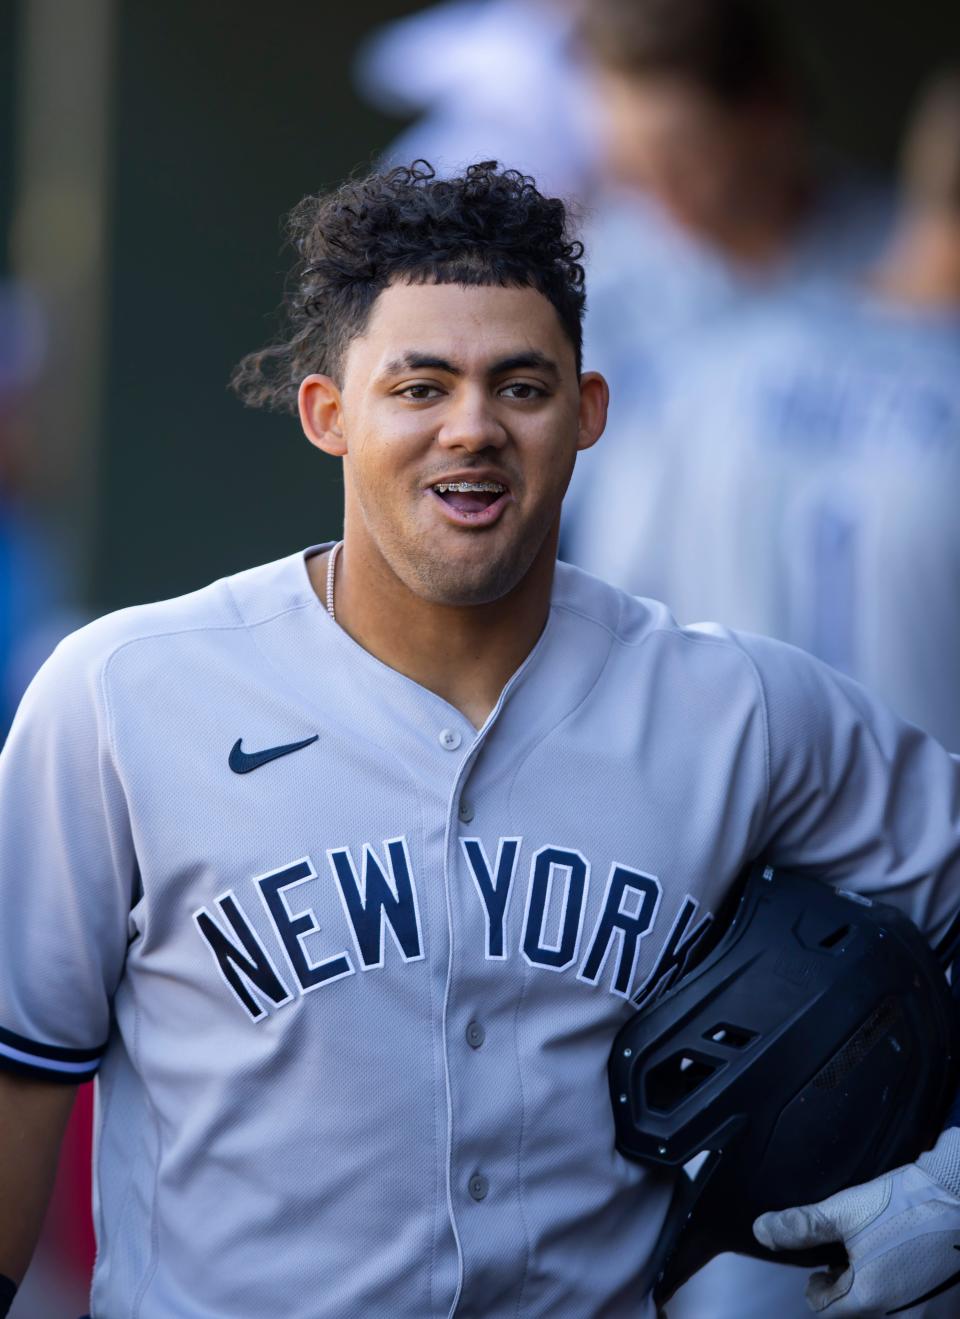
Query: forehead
[472, 326]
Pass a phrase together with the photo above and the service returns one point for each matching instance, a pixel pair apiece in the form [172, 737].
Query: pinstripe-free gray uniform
[350, 1008]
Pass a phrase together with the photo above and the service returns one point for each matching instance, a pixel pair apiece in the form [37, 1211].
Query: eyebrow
[414, 361]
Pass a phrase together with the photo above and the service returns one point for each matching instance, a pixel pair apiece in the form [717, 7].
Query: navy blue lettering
[293, 929]
[626, 927]
[495, 889]
[375, 903]
[546, 864]
[676, 953]
[251, 963]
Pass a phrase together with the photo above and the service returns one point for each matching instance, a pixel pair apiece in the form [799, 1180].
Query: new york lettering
[378, 897]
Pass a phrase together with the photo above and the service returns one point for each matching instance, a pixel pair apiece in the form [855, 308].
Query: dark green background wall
[226, 114]
[8, 46]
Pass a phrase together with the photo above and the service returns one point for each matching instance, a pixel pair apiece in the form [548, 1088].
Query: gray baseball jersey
[812, 495]
[349, 969]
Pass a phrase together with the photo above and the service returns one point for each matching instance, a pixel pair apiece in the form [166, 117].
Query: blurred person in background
[720, 198]
[489, 79]
[816, 500]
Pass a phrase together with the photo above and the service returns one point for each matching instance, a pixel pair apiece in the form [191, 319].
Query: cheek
[383, 443]
[551, 462]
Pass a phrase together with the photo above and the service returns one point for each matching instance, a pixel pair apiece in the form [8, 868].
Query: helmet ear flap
[812, 1048]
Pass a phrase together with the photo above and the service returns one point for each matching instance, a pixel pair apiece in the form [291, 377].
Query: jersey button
[465, 812]
[475, 1035]
[478, 1186]
[449, 739]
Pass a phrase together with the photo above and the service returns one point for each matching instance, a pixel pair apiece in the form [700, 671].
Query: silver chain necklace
[331, 577]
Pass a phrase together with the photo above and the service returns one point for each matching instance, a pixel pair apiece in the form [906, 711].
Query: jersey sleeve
[67, 873]
[856, 794]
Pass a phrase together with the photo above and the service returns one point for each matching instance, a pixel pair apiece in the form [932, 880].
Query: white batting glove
[901, 1233]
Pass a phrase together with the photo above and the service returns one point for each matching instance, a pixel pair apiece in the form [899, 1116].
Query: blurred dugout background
[147, 151]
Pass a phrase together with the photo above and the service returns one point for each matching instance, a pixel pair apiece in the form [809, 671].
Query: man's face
[451, 387]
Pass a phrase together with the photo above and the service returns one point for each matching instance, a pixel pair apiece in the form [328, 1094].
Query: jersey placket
[484, 1090]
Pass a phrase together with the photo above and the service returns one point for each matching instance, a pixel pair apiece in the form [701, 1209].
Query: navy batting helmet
[812, 1049]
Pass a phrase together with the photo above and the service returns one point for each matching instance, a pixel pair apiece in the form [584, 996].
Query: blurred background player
[720, 199]
[813, 497]
[815, 459]
[489, 79]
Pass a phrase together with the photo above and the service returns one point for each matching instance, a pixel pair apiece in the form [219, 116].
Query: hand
[901, 1233]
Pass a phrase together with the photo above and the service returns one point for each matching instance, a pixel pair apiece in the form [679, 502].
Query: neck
[463, 653]
[923, 267]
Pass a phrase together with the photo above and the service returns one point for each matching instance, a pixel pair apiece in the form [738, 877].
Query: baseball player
[816, 500]
[727, 203]
[809, 485]
[342, 872]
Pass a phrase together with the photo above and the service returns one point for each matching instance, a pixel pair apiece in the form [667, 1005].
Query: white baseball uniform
[348, 969]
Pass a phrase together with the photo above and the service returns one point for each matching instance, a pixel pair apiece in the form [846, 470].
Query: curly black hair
[489, 226]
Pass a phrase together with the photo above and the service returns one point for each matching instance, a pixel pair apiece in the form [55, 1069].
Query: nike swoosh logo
[242, 762]
[928, 1296]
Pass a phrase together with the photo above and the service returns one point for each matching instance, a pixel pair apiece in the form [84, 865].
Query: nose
[470, 422]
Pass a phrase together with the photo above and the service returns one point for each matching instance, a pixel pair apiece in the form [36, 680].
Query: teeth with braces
[471, 487]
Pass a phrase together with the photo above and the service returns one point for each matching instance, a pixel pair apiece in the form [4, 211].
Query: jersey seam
[525, 970]
[658, 629]
[153, 1262]
[765, 725]
[529, 752]
[240, 625]
[572, 711]
[439, 1138]
[698, 639]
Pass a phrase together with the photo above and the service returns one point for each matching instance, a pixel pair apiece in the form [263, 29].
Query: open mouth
[470, 499]
[474, 504]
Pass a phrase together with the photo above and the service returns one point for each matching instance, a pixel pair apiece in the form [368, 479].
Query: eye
[420, 393]
[522, 390]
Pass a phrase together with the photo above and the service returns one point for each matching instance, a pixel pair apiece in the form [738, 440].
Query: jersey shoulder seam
[765, 724]
[658, 629]
[242, 624]
[700, 638]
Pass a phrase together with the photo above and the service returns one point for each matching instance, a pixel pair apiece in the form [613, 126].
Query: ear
[321, 414]
[594, 398]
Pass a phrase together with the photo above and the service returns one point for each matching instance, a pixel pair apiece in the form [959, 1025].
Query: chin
[462, 585]
[459, 594]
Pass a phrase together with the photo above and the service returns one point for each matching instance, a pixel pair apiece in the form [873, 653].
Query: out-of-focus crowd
[781, 336]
